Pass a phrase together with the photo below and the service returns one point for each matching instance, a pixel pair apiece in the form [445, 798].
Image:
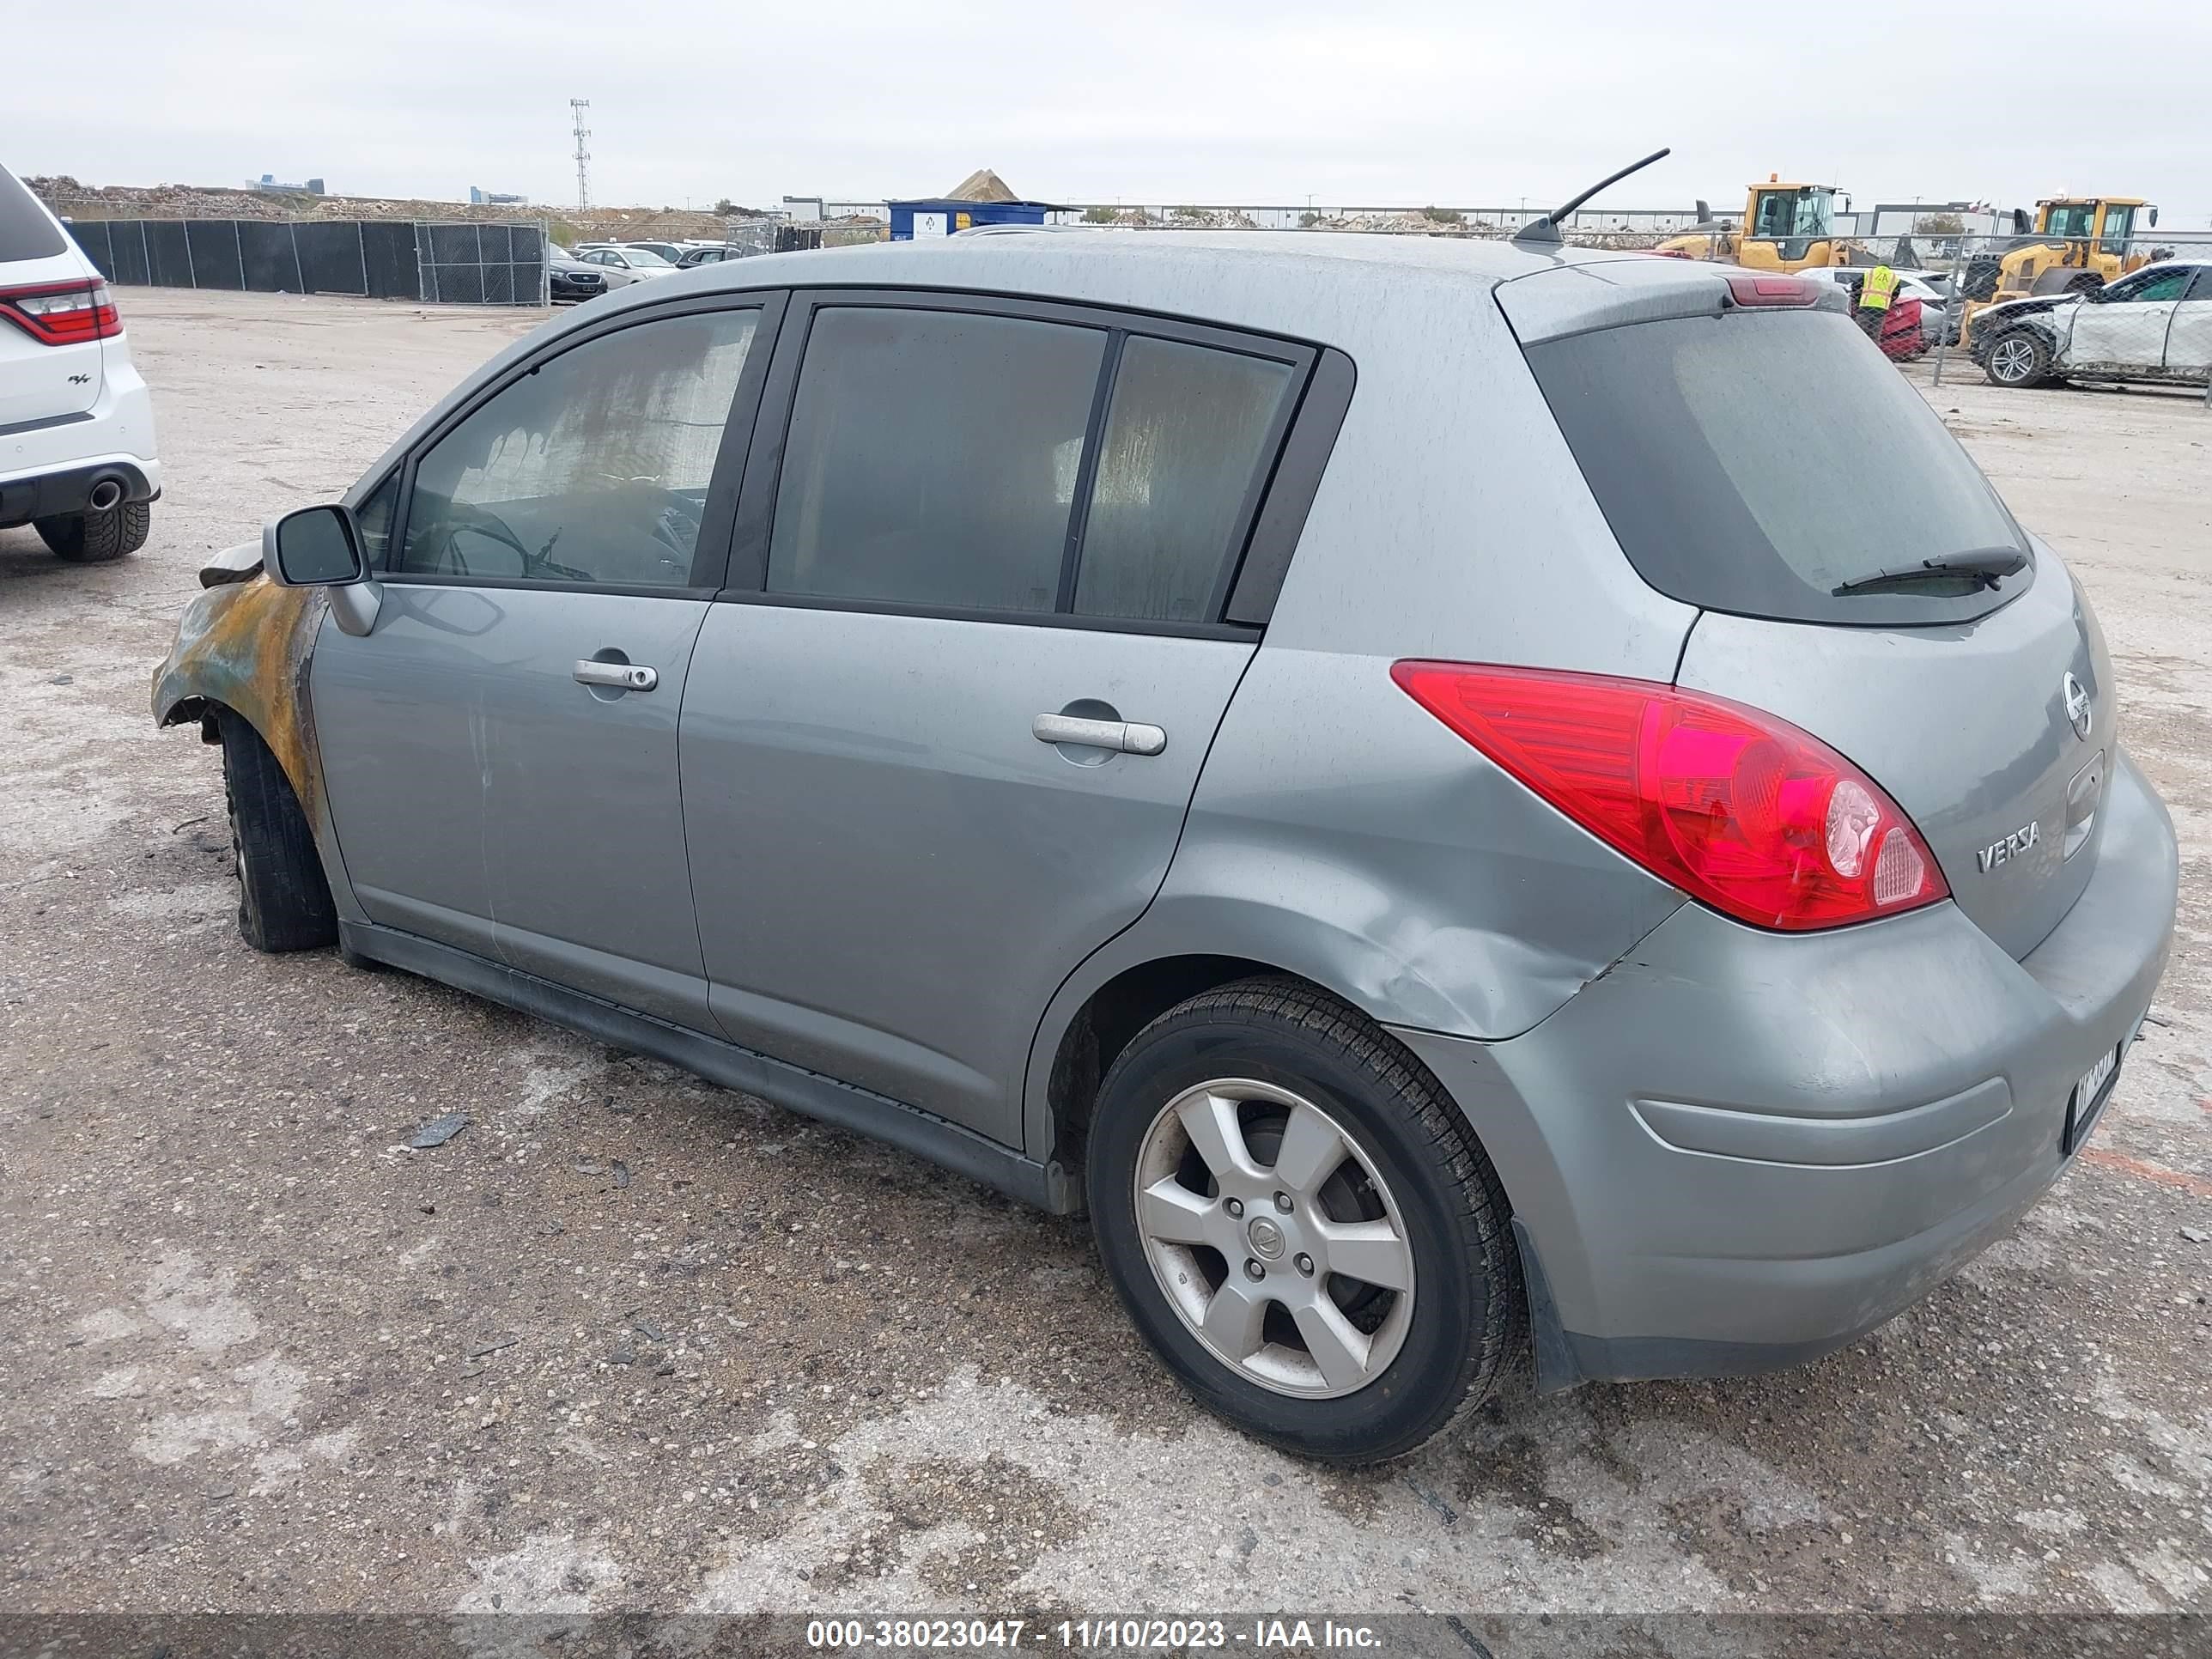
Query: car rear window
[1755, 462]
[26, 233]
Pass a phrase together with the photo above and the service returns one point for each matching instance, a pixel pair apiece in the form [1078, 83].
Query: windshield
[644, 255]
[2072, 218]
[1787, 214]
[1755, 462]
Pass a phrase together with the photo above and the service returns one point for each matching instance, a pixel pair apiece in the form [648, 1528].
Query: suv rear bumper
[1736, 1149]
[53, 495]
[50, 467]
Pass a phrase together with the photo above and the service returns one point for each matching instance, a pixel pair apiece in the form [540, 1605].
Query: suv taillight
[62, 313]
[1740, 810]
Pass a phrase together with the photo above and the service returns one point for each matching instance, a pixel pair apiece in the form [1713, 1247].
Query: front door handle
[1128, 737]
[621, 675]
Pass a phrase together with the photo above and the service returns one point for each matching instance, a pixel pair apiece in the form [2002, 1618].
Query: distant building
[494, 198]
[268, 182]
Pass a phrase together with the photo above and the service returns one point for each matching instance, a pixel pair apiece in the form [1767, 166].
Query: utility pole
[576, 108]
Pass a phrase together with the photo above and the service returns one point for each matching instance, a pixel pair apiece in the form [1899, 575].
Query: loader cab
[2079, 243]
[2108, 222]
[2066, 220]
[1794, 220]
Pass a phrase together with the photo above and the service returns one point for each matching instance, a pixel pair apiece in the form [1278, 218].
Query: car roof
[1086, 259]
[1316, 285]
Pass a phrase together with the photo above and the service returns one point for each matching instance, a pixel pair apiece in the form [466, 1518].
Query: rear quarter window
[1754, 463]
[26, 232]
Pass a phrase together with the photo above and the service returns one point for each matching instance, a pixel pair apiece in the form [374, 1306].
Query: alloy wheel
[1275, 1239]
[2014, 360]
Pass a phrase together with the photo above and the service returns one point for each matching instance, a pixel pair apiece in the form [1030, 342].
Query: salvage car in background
[2152, 326]
[1222, 730]
[623, 265]
[568, 278]
[76, 422]
[1917, 309]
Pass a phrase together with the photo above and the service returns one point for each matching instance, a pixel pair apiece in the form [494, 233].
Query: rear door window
[932, 458]
[1189, 429]
[1757, 462]
[957, 460]
[26, 233]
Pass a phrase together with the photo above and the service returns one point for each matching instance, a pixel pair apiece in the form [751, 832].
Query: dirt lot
[632, 1341]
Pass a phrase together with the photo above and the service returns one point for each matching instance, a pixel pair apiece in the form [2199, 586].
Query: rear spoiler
[1579, 299]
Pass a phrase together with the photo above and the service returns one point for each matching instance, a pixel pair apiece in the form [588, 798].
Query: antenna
[576, 108]
[1545, 231]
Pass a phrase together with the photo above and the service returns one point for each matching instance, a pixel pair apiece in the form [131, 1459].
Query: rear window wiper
[1987, 566]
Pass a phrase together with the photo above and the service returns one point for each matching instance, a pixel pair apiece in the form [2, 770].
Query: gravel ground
[632, 1341]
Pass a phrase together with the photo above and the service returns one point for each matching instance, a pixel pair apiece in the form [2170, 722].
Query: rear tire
[1305, 1082]
[90, 538]
[284, 901]
[2020, 359]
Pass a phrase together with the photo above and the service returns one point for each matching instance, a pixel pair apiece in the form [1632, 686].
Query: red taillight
[62, 313]
[1781, 291]
[1740, 810]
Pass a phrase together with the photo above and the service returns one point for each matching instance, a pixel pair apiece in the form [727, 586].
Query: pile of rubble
[72, 200]
[1411, 221]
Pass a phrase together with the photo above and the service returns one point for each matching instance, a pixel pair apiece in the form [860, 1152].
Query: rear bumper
[1737, 1150]
[50, 468]
[67, 491]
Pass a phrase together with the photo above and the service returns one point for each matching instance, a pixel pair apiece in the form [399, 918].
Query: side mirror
[2154, 218]
[314, 547]
[320, 547]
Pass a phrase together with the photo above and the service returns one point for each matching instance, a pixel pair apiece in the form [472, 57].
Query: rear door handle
[621, 676]
[1126, 736]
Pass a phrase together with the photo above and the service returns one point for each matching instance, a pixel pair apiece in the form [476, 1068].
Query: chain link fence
[2020, 310]
[2027, 311]
[462, 264]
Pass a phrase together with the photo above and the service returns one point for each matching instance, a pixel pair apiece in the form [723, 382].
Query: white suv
[76, 424]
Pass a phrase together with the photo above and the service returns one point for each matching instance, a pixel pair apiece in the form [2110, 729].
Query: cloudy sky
[1474, 105]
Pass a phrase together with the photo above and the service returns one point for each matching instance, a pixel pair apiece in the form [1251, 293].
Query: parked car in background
[568, 278]
[623, 265]
[705, 254]
[1915, 327]
[1393, 774]
[671, 252]
[2154, 325]
[77, 423]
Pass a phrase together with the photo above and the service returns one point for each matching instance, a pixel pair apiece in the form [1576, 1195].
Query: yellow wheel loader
[1785, 227]
[2077, 243]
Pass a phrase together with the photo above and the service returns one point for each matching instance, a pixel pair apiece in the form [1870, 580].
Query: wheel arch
[1177, 950]
[244, 648]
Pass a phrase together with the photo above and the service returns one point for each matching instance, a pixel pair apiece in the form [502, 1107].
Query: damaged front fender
[244, 645]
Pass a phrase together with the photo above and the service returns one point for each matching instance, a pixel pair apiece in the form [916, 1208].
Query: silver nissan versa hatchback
[1452, 795]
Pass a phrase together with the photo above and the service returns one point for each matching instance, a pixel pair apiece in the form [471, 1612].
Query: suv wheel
[284, 901]
[2019, 359]
[91, 537]
[1300, 1224]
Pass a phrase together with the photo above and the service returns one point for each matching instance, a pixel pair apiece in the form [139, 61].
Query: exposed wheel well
[1102, 1028]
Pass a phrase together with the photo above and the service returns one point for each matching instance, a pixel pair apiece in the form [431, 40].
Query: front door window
[591, 469]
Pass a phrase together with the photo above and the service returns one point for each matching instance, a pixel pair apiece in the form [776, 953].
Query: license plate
[2088, 1098]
